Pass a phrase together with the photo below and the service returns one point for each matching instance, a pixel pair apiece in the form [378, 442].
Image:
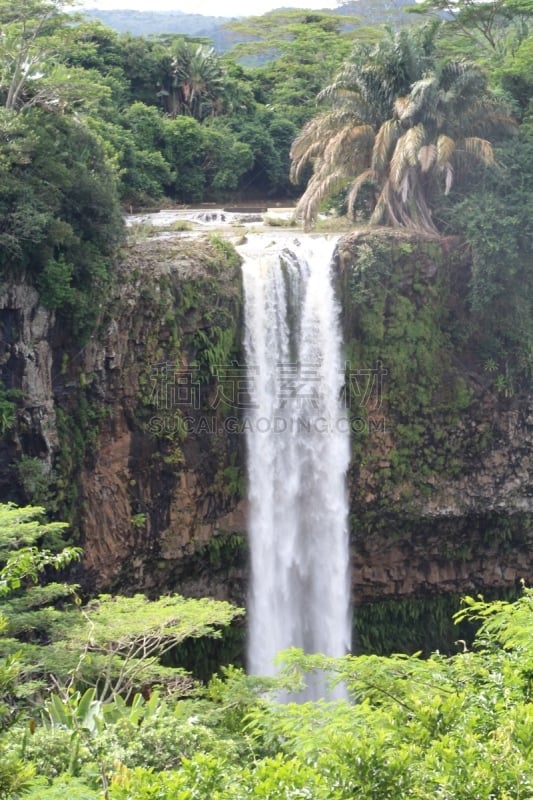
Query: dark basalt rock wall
[130, 428]
[440, 483]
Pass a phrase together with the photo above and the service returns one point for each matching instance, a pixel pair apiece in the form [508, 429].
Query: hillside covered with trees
[425, 126]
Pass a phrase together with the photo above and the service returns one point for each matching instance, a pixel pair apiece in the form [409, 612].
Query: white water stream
[298, 452]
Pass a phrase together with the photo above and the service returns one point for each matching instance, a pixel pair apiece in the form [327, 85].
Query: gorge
[439, 494]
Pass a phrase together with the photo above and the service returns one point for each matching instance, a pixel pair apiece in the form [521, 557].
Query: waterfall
[297, 436]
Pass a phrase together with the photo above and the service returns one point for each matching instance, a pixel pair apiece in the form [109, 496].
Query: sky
[225, 8]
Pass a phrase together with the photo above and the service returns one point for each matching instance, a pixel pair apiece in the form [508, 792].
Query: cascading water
[298, 452]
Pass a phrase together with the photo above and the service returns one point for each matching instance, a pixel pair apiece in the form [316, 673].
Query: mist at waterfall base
[298, 535]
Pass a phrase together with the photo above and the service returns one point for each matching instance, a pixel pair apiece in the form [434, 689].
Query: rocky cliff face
[134, 423]
[441, 497]
[132, 433]
[26, 359]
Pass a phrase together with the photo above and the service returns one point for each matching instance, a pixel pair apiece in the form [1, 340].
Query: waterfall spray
[298, 453]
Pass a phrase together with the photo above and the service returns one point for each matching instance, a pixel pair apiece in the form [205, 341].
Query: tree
[112, 643]
[498, 25]
[146, 64]
[195, 83]
[400, 123]
[283, 32]
[59, 217]
[119, 641]
[23, 561]
[294, 53]
[267, 136]
[515, 73]
[60, 222]
[51, 649]
[32, 71]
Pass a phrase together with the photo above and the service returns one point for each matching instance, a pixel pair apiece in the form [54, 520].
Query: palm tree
[400, 124]
[195, 85]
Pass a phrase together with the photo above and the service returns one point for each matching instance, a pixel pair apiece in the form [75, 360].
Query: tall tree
[195, 85]
[32, 71]
[400, 123]
[294, 53]
[493, 24]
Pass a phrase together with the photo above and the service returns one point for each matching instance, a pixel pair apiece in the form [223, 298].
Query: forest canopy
[88, 709]
[421, 125]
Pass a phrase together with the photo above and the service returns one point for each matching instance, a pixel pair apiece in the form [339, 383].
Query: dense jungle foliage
[88, 709]
[428, 125]
[424, 123]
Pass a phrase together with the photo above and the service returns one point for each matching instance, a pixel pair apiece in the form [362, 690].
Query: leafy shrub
[64, 788]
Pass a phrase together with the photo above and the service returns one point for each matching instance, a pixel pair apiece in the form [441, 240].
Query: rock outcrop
[440, 489]
[131, 421]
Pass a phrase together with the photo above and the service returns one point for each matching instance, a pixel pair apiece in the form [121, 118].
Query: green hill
[144, 23]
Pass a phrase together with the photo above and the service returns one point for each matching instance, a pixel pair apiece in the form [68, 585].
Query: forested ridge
[425, 126]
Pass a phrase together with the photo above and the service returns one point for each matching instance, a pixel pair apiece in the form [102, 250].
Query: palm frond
[346, 81]
[489, 120]
[400, 106]
[312, 141]
[427, 155]
[448, 177]
[386, 138]
[318, 189]
[501, 124]
[350, 144]
[398, 163]
[298, 165]
[405, 186]
[422, 100]
[368, 176]
[479, 148]
[414, 140]
[445, 148]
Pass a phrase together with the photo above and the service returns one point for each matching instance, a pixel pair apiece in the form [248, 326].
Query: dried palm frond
[350, 142]
[427, 155]
[448, 177]
[399, 163]
[414, 139]
[445, 148]
[319, 187]
[368, 176]
[311, 142]
[405, 186]
[386, 138]
[500, 124]
[479, 148]
[298, 165]
[400, 105]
